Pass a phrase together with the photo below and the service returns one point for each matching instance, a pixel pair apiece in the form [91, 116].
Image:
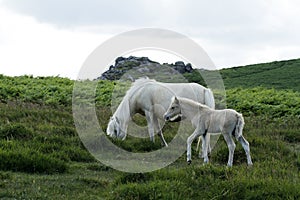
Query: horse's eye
[172, 107]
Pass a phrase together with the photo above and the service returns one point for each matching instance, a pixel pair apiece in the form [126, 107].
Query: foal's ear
[176, 100]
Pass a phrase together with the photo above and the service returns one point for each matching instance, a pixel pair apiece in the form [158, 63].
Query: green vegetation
[267, 102]
[40, 90]
[41, 156]
[278, 75]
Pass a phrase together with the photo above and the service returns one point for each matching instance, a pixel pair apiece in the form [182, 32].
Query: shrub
[77, 154]
[152, 190]
[94, 182]
[261, 101]
[15, 131]
[30, 161]
[98, 167]
[64, 131]
[292, 136]
[134, 178]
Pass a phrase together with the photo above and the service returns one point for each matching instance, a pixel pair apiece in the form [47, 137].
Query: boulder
[143, 65]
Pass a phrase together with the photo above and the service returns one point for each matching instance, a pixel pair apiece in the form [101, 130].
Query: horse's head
[114, 128]
[173, 113]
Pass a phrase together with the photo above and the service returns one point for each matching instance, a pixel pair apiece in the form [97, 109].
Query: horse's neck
[123, 112]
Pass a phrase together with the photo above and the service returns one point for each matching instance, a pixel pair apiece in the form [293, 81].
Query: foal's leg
[189, 142]
[159, 132]
[246, 147]
[205, 143]
[231, 147]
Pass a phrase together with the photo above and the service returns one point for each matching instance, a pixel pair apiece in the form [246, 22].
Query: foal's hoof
[189, 162]
[250, 165]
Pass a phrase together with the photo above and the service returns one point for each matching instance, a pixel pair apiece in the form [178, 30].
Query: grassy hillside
[278, 75]
[41, 156]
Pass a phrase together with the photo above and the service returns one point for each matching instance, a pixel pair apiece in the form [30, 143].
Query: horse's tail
[209, 99]
[239, 125]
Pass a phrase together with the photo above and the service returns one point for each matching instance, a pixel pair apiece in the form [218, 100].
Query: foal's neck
[191, 108]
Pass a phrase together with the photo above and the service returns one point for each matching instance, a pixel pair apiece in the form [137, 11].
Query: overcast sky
[54, 37]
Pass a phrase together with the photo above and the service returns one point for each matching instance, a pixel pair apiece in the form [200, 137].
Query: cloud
[30, 47]
[229, 22]
[62, 33]
[70, 13]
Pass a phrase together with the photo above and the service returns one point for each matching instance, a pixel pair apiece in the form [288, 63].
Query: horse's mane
[142, 80]
[137, 84]
[124, 105]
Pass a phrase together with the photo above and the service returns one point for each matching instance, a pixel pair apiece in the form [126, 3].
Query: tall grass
[41, 156]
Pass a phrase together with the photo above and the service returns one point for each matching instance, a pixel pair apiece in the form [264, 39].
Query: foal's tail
[209, 99]
[239, 125]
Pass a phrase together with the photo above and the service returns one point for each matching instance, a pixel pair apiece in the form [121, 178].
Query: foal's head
[173, 113]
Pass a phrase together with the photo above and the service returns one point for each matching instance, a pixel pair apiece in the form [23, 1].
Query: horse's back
[192, 91]
[151, 94]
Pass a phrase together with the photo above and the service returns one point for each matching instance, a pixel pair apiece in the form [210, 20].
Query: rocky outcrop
[134, 67]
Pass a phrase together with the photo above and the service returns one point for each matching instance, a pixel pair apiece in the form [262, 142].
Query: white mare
[151, 98]
[206, 120]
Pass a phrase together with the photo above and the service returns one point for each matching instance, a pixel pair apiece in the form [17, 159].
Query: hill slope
[278, 75]
[41, 156]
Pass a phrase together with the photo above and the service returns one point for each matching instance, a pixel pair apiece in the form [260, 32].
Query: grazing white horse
[151, 98]
[206, 120]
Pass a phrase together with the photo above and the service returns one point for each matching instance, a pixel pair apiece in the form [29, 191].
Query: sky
[55, 37]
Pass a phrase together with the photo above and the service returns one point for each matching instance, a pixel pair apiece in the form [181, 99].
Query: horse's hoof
[205, 163]
[189, 162]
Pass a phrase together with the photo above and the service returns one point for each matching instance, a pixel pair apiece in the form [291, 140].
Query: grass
[41, 156]
[279, 75]
[71, 172]
[78, 183]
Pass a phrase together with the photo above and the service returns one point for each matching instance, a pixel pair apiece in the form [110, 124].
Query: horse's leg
[246, 147]
[198, 144]
[149, 119]
[231, 147]
[159, 132]
[205, 146]
[208, 143]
